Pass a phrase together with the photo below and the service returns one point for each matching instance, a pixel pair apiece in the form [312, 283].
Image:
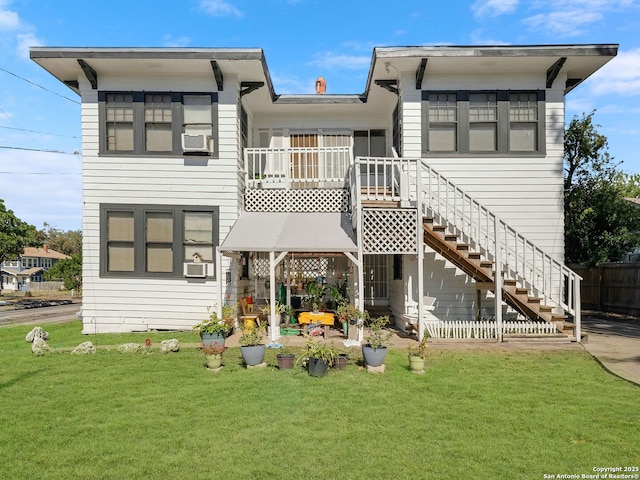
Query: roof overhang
[580, 61]
[291, 232]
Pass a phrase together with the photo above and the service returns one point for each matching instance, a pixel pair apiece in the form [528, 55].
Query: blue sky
[302, 39]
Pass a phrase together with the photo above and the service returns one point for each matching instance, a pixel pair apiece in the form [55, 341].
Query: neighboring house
[30, 267]
[201, 183]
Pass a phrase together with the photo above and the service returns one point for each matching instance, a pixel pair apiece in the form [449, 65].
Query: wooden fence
[612, 287]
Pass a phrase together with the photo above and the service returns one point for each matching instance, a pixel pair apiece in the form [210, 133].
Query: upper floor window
[483, 122]
[152, 123]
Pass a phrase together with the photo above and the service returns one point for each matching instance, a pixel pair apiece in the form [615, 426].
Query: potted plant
[213, 355]
[212, 330]
[318, 357]
[350, 315]
[251, 347]
[229, 313]
[285, 360]
[340, 361]
[315, 293]
[375, 350]
[417, 355]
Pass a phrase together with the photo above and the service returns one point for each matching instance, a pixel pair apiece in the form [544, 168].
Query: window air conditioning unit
[196, 143]
[198, 270]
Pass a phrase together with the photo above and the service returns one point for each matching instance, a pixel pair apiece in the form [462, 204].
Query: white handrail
[396, 179]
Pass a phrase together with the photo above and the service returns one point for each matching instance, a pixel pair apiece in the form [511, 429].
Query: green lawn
[471, 415]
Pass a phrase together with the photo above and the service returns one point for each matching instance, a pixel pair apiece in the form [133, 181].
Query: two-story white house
[29, 267]
[202, 184]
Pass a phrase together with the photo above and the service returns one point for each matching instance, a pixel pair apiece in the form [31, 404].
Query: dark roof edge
[148, 53]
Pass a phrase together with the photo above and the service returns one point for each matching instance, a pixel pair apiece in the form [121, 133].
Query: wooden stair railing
[482, 271]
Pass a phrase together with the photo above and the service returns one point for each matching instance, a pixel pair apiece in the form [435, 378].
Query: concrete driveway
[615, 341]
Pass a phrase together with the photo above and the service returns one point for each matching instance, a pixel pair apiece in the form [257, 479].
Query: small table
[323, 318]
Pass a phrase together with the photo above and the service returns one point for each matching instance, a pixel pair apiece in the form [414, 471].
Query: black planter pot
[374, 357]
[317, 367]
[253, 355]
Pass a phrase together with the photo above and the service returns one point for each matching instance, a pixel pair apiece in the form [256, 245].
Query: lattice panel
[297, 200]
[302, 268]
[389, 231]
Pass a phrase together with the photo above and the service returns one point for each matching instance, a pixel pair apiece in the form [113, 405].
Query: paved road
[62, 313]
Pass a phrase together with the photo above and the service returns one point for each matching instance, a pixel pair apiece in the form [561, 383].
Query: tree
[585, 151]
[68, 270]
[69, 242]
[600, 225]
[14, 235]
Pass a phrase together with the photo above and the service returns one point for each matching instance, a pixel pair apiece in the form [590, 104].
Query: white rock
[129, 348]
[84, 348]
[40, 347]
[36, 332]
[171, 345]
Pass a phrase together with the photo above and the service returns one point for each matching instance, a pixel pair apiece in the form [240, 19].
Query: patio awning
[291, 232]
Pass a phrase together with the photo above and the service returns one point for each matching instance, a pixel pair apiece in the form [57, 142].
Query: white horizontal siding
[124, 304]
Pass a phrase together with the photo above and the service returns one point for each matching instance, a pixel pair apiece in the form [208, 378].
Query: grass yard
[502, 415]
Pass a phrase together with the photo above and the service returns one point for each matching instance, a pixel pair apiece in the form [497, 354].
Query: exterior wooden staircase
[483, 271]
[533, 282]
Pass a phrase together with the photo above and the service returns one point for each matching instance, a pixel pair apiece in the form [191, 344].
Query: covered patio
[293, 249]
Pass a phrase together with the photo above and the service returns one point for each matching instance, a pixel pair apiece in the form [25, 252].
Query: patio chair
[247, 315]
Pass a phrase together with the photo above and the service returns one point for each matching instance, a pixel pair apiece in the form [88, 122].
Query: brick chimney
[321, 86]
[45, 247]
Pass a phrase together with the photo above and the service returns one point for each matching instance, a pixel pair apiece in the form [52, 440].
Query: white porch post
[219, 279]
[420, 247]
[497, 279]
[577, 316]
[274, 322]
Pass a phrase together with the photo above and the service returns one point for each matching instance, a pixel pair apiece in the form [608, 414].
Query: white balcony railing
[297, 167]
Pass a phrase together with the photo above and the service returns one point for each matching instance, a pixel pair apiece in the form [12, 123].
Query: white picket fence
[486, 329]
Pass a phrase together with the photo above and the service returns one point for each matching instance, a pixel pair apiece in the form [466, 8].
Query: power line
[36, 131]
[38, 150]
[40, 173]
[39, 86]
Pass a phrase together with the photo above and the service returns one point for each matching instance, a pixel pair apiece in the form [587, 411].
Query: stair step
[546, 308]
[451, 237]
[509, 282]
[484, 263]
[462, 247]
[439, 228]
[476, 256]
[533, 300]
[427, 220]
[522, 291]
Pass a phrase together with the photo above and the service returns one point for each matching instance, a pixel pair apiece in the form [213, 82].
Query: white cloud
[493, 8]
[24, 41]
[620, 76]
[9, 20]
[567, 23]
[568, 18]
[220, 8]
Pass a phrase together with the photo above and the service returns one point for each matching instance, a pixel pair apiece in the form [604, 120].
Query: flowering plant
[251, 338]
[212, 325]
[213, 349]
[350, 313]
[419, 349]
